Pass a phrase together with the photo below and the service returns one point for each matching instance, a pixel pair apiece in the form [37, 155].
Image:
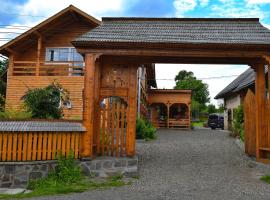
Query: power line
[23, 15]
[204, 78]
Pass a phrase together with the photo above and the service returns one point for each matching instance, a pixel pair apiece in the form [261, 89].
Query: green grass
[197, 124]
[58, 189]
[266, 178]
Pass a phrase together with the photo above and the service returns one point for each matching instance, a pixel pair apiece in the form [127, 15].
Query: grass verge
[197, 124]
[60, 188]
[266, 178]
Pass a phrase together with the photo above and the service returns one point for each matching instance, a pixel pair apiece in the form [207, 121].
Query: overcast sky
[30, 12]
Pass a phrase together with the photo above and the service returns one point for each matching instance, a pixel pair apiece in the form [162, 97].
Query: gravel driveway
[200, 164]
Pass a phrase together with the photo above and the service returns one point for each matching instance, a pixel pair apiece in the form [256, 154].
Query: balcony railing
[28, 68]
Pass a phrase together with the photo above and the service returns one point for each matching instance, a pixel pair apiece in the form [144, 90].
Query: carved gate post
[260, 105]
[88, 105]
[132, 111]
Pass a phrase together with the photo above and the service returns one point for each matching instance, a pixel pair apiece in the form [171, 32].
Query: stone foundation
[17, 174]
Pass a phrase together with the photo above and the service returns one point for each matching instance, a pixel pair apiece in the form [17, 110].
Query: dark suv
[216, 120]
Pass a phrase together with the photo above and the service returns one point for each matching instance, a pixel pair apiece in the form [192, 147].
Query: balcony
[29, 68]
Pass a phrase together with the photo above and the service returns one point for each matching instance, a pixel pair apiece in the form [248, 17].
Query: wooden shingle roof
[178, 31]
[61, 126]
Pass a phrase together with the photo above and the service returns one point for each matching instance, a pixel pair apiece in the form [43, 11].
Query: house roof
[35, 30]
[244, 80]
[245, 31]
[11, 126]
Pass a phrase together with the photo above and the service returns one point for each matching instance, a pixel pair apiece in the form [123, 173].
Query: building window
[63, 54]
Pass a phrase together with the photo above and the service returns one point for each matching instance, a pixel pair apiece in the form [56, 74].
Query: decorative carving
[115, 76]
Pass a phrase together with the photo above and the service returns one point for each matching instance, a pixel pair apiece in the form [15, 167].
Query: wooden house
[101, 72]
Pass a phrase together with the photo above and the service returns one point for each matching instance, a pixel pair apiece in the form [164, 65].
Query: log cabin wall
[18, 85]
[60, 36]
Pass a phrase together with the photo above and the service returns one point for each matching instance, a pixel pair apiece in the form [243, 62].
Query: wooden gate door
[111, 138]
[250, 123]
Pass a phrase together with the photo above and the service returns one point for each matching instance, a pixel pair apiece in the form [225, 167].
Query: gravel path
[200, 164]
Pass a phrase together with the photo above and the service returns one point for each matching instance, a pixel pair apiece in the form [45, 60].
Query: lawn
[197, 124]
[56, 188]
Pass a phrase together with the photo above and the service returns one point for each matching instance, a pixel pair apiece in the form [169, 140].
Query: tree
[187, 81]
[211, 108]
[44, 103]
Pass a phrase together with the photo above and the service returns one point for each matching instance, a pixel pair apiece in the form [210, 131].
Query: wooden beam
[10, 50]
[38, 55]
[181, 52]
[260, 96]
[88, 105]
[10, 65]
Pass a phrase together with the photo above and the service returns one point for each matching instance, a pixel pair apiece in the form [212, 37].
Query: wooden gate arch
[112, 127]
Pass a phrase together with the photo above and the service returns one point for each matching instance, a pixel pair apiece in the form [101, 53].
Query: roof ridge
[176, 19]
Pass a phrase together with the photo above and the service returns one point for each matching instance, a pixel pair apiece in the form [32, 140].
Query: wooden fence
[28, 68]
[250, 125]
[34, 146]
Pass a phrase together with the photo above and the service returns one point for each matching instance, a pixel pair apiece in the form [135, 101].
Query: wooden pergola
[172, 100]
[114, 51]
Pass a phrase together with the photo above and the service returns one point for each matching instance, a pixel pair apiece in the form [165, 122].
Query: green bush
[66, 172]
[15, 114]
[145, 130]
[44, 103]
[238, 122]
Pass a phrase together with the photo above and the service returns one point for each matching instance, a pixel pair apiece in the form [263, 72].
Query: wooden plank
[14, 147]
[109, 131]
[9, 151]
[73, 142]
[5, 142]
[49, 148]
[68, 138]
[20, 141]
[103, 132]
[35, 146]
[25, 144]
[29, 146]
[63, 147]
[59, 142]
[39, 153]
[117, 128]
[44, 146]
[112, 128]
[1, 145]
[122, 143]
[54, 146]
[77, 142]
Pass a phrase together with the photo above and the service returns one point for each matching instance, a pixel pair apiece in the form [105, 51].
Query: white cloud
[234, 8]
[258, 1]
[183, 6]
[203, 3]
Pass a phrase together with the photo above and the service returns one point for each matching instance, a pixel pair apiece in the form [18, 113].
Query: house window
[63, 54]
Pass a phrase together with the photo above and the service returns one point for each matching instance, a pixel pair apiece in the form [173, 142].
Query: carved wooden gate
[111, 138]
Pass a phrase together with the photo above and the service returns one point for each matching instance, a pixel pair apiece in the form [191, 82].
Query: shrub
[145, 129]
[44, 103]
[15, 114]
[238, 122]
[66, 172]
